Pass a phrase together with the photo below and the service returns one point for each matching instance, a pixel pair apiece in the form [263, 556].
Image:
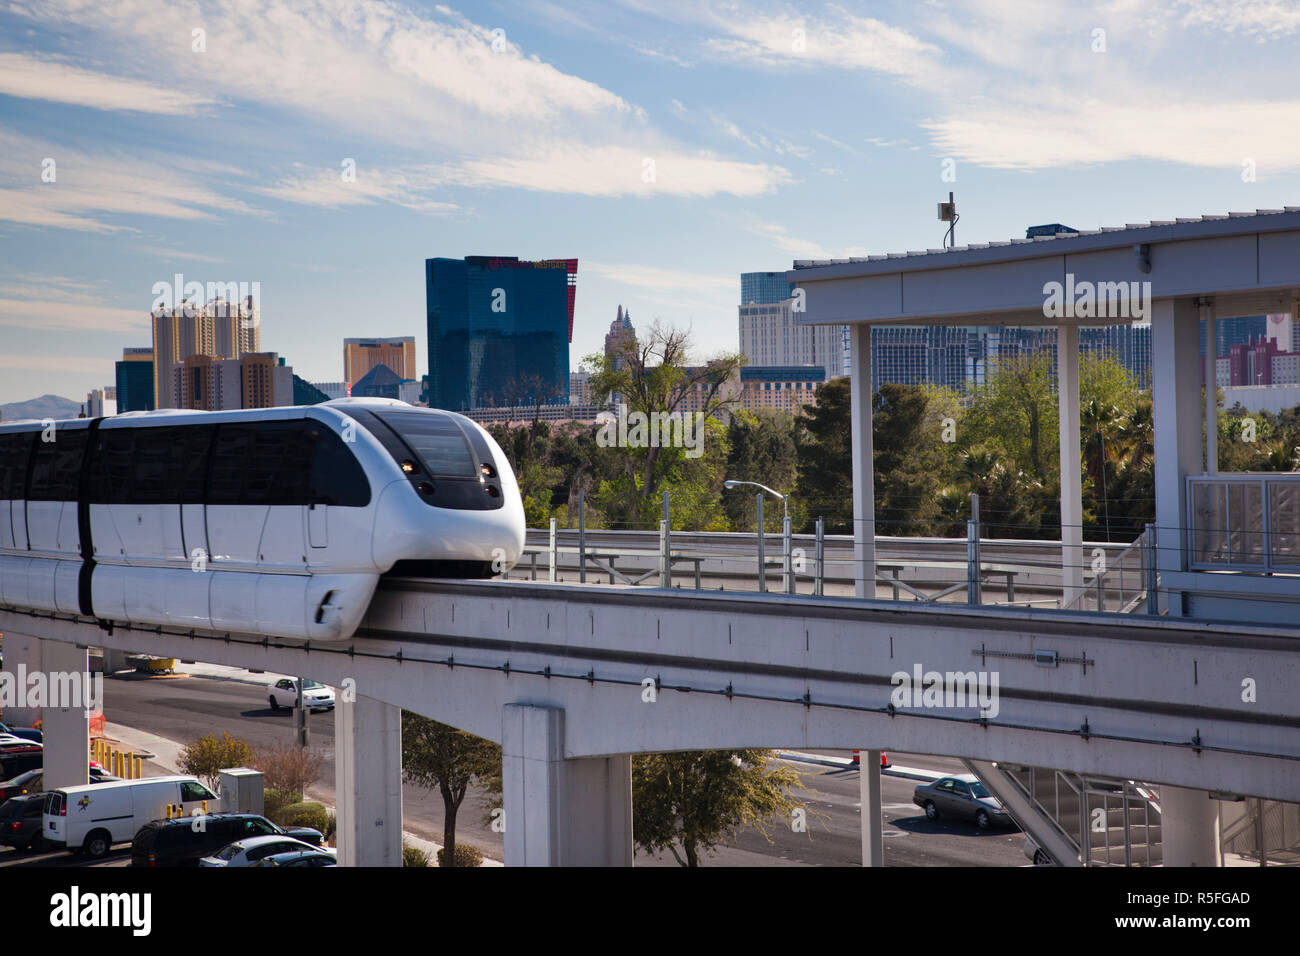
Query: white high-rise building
[769, 335]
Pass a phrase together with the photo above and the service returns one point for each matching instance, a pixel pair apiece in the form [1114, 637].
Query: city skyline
[523, 129]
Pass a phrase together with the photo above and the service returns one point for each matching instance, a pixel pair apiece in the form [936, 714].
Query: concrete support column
[1211, 393]
[873, 841]
[864, 482]
[1176, 396]
[368, 781]
[561, 812]
[1067, 401]
[22, 657]
[1189, 827]
[67, 730]
[114, 661]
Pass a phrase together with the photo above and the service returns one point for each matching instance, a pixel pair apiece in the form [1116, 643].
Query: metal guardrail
[654, 557]
[1244, 522]
[1143, 550]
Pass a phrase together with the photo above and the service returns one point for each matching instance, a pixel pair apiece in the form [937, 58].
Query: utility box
[242, 791]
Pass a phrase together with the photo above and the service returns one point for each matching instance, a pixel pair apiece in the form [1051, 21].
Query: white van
[94, 817]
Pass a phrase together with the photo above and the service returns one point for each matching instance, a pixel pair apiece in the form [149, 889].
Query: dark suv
[20, 822]
[183, 841]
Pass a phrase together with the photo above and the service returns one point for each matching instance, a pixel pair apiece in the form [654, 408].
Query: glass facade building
[135, 380]
[764, 288]
[499, 331]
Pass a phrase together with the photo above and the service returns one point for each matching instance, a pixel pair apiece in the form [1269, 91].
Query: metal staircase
[1263, 833]
[1075, 820]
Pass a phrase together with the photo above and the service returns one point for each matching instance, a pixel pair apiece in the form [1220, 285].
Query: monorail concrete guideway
[572, 680]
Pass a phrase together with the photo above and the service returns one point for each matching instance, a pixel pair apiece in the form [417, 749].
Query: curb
[844, 763]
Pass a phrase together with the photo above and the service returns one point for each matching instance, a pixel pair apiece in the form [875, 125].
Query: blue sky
[777, 131]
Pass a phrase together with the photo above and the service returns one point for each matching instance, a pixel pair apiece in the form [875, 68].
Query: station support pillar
[863, 465]
[1176, 398]
[1189, 827]
[368, 781]
[22, 654]
[66, 727]
[873, 843]
[561, 812]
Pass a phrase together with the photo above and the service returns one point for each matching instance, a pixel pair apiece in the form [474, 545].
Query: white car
[315, 696]
[247, 852]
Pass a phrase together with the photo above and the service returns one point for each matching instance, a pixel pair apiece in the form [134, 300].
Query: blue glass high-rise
[499, 331]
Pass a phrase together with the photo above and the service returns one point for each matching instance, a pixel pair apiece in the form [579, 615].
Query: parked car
[299, 858]
[249, 851]
[964, 797]
[20, 822]
[181, 842]
[18, 755]
[27, 733]
[32, 781]
[315, 696]
[94, 817]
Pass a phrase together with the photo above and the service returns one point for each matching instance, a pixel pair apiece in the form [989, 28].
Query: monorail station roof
[1212, 561]
[1248, 261]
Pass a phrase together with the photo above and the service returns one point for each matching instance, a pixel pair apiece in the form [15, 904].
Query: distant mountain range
[47, 406]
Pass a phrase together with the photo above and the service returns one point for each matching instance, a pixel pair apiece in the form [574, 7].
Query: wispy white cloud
[165, 253]
[85, 364]
[58, 303]
[642, 276]
[1267, 18]
[835, 38]
[413, 79]
[330, 188]
[662, 55]
[46, 78]
[84, 189]
[622, 171]
[801, 248]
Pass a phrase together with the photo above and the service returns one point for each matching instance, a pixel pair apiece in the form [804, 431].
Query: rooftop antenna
[948, 213]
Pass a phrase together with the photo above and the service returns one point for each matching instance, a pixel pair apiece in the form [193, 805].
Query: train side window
[260, 463]
[337, 478]
[15, 449]
[112, 468]
[56, 470]
[185, 462]
[149, 479]
[229, 460]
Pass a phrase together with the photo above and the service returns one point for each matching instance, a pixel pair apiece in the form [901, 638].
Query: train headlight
[487, 470]
[408, 467]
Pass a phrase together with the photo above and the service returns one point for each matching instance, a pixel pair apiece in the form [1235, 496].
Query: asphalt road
[185, 708]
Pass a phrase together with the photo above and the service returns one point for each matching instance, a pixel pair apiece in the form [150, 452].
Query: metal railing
[1244, 522]
[1135, 566]
[1027, 571]
[1106, 822]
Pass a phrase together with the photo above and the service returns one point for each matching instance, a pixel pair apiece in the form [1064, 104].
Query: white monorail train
[273, 521]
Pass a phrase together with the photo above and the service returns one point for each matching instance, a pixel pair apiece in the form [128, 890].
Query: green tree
[688, 802]
[761, 449]
[825, 465]
[907, 447]
[655, 376]
[207, 756]
[439, 756]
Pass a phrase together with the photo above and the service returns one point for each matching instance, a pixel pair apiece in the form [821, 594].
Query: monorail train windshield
[438, 441]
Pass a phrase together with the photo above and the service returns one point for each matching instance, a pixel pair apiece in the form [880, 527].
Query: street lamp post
[785, 535]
